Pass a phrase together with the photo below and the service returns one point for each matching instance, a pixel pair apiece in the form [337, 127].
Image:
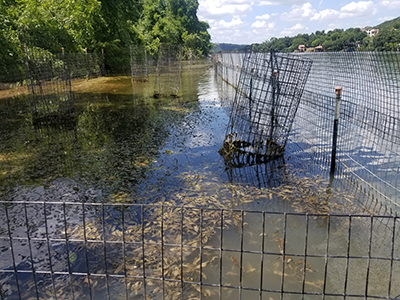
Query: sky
[255, 21]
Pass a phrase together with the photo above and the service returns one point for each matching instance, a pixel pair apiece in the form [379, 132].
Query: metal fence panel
[139, 63]
[266, 101]
[168, 73]
[368, 137]
[73, 250]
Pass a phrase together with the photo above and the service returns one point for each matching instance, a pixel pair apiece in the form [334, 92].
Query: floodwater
[127, 147]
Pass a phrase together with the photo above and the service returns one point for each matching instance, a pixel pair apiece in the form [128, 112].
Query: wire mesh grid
[369, 132]
[266, 101]
[54, 250]
[228, 66]
[368, 142]
[84, 65]
[168, 73]
[139, 69]
[49, 84]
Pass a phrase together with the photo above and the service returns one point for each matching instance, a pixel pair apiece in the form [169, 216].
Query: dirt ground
[93, 85]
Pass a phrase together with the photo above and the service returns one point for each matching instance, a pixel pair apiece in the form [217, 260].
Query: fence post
[250, 91]
[274, 90]
[28, 73]
[338, 91]
[87, 64]
[103, 66]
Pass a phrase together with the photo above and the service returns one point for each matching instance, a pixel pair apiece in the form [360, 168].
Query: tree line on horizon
[76, 25]
[352, 39]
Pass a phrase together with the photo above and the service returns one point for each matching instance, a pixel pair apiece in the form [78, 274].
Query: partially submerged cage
[169, 67]
[265, 104]
[49, 84]
[139, 69]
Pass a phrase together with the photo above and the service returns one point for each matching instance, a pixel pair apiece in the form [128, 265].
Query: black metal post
[103, 66]
[87, 64]
[338, 91]
[273, 83]
[251, 91]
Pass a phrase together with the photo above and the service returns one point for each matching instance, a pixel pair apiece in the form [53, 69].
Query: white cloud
[215, 9]
[298, 28]
[263, 25]
[325, 15]
[259, 24]
[280, 2]
[299, 13]
[385, 19]
[236, 22]
[260, 34]
[358, 9]
[263, 17]
[392, 4]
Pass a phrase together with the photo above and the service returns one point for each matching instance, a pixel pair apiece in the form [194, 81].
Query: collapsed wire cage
[72, 250]
[49, 85]
[266, 101]
[168, 72]
[139, 69]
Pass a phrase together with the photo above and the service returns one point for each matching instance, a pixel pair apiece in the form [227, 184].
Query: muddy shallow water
[124, 146]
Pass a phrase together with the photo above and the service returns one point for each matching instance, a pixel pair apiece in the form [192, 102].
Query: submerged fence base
[169, 67]
[139, 68]
[54, 250]
[49, 86]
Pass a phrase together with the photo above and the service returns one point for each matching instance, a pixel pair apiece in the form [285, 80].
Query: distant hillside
[389, 25]
[230, 47]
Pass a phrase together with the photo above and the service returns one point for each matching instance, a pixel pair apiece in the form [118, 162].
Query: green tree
[174, 22]
[297, 42]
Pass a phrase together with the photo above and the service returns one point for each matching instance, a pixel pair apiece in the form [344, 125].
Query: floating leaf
[72, 257]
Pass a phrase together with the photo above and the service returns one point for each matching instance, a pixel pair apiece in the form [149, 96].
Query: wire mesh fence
[85, 65]
[228, 66]
[368, 136]
[139, 66]
[49, 84]
[77, 65]
[265, 104]
[168, 73]
[68, 250]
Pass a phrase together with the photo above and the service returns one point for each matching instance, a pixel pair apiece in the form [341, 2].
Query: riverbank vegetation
[97, 24]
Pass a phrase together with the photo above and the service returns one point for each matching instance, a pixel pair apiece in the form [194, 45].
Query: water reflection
[126, 146]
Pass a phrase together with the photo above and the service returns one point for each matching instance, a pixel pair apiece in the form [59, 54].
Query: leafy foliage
[330, 41]
[387, 39]
[95, 24]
